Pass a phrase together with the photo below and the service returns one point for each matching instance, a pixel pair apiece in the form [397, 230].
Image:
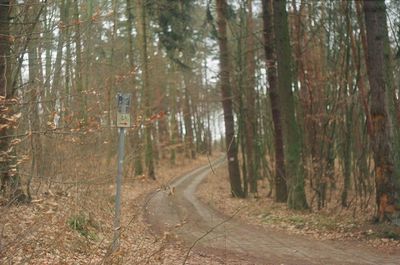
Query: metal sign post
[123, 121]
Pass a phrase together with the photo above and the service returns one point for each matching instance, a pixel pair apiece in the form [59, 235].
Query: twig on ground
[208, 232]
[211, 166]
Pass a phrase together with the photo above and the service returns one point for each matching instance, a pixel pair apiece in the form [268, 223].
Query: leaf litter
[73, 225]
[330, 224]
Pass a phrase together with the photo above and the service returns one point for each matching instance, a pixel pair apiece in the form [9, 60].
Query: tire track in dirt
[182, 214]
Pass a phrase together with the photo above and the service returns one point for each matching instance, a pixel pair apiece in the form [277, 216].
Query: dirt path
[183, 215]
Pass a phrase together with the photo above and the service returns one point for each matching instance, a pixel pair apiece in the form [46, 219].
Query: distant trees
[318, 101]
[65, 61]
[297, 106]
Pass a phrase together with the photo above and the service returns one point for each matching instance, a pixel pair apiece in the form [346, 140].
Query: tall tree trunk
[363, 93]
[48, 25]
[110, 87]
[381, 136]
[10, 180]
[187, 114]
[250, 113]
[5, 90]
[55, 85]
[88, 46]
[292, 138]
[137, 157]
[281, 193]
[208, 134]
[34, 91]
[239, 93]
[231, 148]
[80, 98]
[347, 90]
[149, 159]
[68, 55]
[174, 121]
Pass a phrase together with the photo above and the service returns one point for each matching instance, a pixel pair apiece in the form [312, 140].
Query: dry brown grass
[70, 218]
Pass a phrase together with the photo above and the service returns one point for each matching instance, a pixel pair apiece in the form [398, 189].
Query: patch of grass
[318, 222]
[297, 220]
[383, 230]
[269, 218]
[81, 223]
[391, 235]
[325, 223]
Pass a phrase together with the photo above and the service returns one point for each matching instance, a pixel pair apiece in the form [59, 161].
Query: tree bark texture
[135, 142]
[149, 159]
[231, 148]
[250, 102]
[187, 115]
[5, 90]
[34, 91]
[281, 193]
[80, 101]
[381, 136]
[291, 131]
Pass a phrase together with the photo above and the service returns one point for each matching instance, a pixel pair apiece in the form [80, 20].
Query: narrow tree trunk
[281, 193]
[149, 159]
[361, 85]
[80, 98]
[88, 47]
[231, 148]
[137, 154]
[208, 134]
[34, 91]
[187, 115]
[239, 94]
[250, 113]
[348, 130]
[174, 122]
[57, 64]
[68, 72]
[48, 25]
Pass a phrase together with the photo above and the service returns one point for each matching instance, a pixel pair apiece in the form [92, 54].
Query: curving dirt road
[203, 228]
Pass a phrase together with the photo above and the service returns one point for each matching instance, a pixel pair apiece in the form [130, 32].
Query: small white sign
[123, 120]
[123, 115]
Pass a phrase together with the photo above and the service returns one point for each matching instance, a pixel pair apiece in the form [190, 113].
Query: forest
[289, 104]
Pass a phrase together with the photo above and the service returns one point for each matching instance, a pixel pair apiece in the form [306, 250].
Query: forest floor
[332, 223]
[70, 221]
[248, 233]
